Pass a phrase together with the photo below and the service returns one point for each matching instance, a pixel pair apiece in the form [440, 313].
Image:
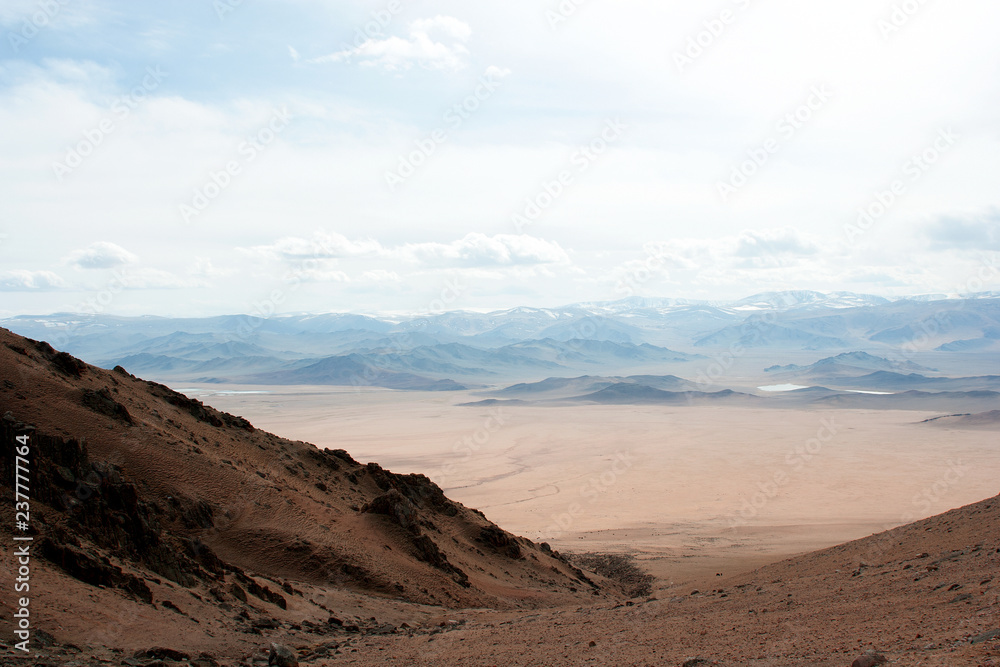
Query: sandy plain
[691, 491]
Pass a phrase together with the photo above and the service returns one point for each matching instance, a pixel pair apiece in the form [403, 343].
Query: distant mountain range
[848, 364]
[351, 370]
[887, 381]
[863, 371]
[623, 393]
[556, 387]
[860, 389]
[637, 394]
[557, 392]
[632, 336]
[914, 400]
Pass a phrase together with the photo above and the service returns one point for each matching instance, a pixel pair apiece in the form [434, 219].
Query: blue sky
[194, 158]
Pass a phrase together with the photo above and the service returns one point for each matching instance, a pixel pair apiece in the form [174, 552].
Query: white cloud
[160, 39]
[762, 248]
[657, 183]
[773, 243]
[734, 265]
[473, 250]
[318, 276]
[446, 25]
[17, 14]
[320, 246]
[493, 72]
[293, 52]
[973, 232]
[380, 276]
[22, 281]
[888, 278]
[203, 268]
[419, 47]
[101, 255]
[149, 278]
[480, 250]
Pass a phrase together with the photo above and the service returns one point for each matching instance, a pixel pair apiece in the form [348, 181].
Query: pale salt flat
[782, 387]
[872, 393]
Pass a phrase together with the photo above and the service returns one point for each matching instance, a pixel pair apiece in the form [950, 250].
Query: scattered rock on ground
[282, 656]
[869, 659]
[160, 653]
[986, 636]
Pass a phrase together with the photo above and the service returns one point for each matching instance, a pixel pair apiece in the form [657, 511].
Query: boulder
[282, 656]
[161, 653]
[869, 659]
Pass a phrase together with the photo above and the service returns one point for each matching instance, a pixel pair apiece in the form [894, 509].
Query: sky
[204, 157]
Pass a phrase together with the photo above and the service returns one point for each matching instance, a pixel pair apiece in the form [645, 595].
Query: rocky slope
[149, 505]
[924, 594]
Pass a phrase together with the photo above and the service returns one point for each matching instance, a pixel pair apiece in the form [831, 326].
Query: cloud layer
[434, 43]
[493, 113]
[101, 255]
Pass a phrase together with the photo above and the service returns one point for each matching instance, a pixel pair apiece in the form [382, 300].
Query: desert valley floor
[706, 490]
